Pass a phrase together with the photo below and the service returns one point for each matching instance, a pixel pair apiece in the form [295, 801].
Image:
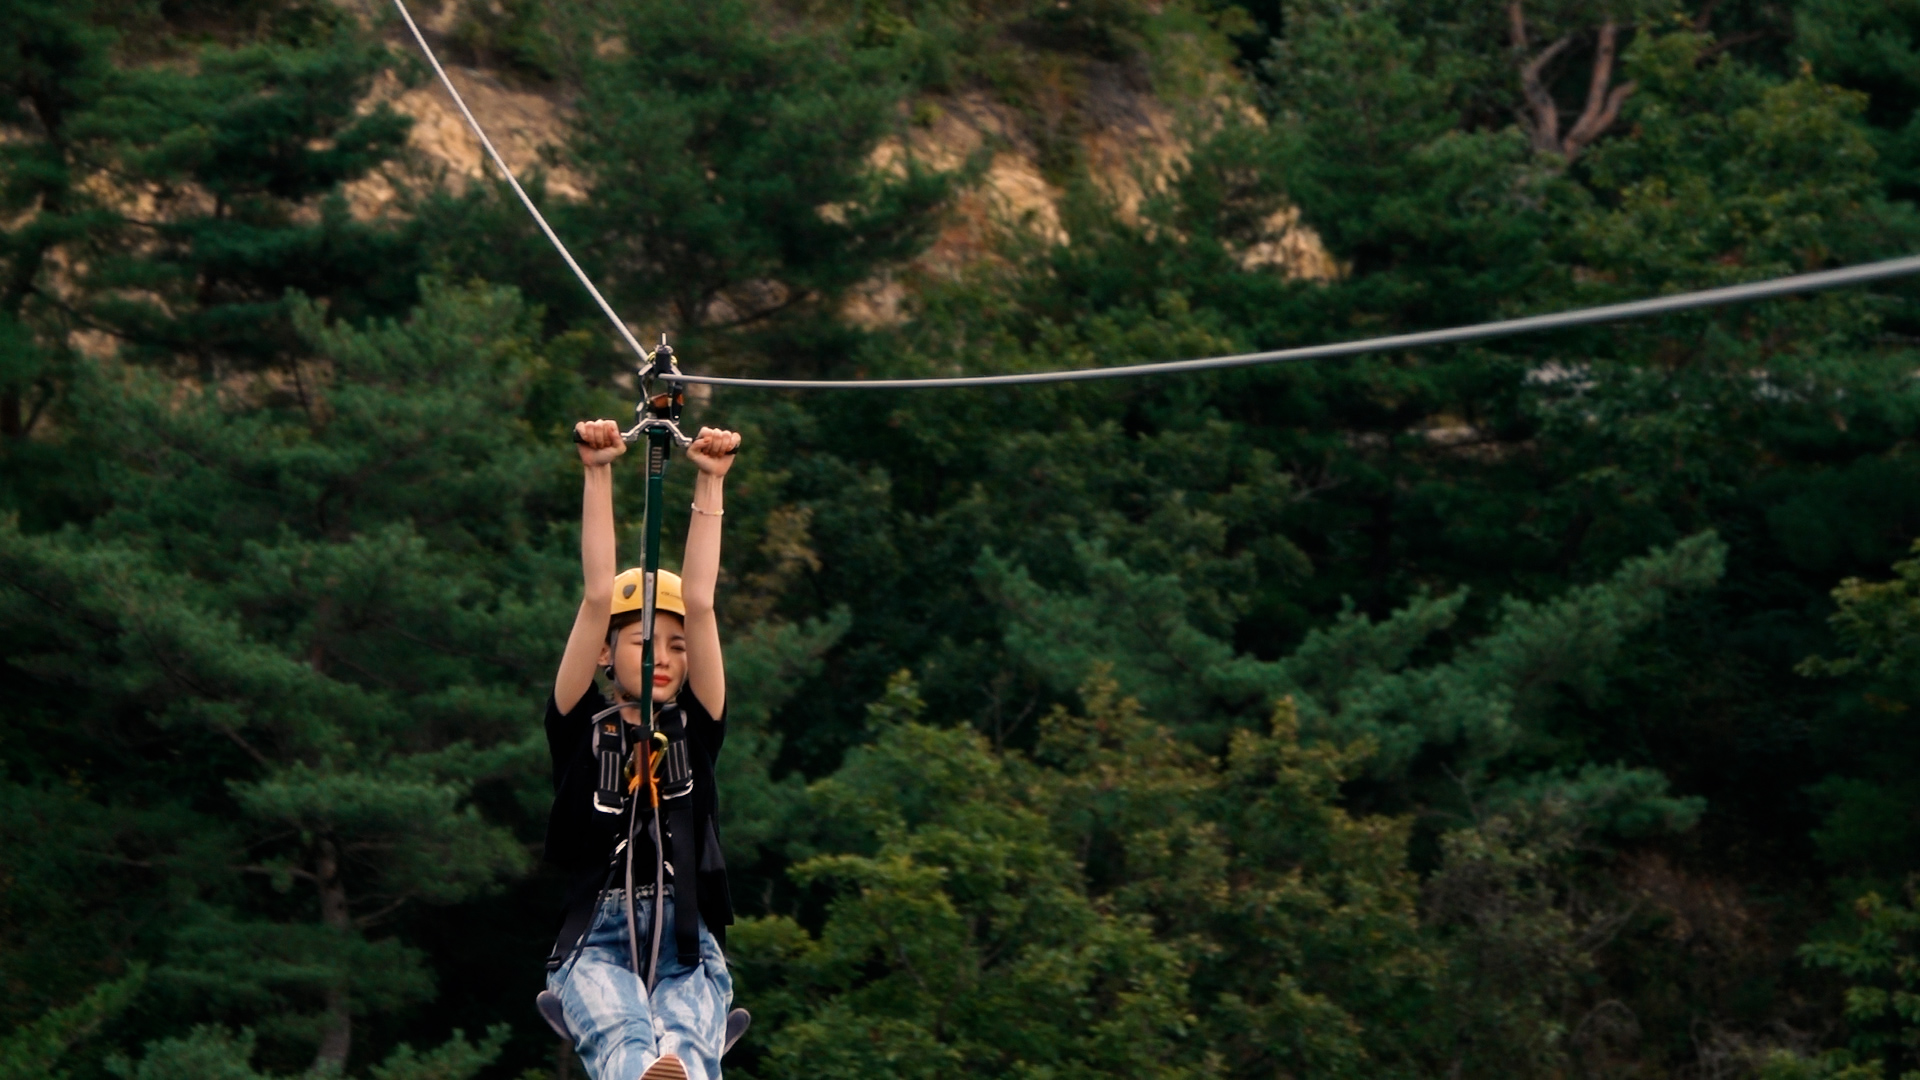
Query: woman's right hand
[598, 441]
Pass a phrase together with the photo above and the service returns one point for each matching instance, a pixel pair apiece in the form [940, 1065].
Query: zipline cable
[656, 433]
[1532, 324]
[625, 334]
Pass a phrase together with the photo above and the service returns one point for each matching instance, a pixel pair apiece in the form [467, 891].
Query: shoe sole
[737, 1023]
[667, 1068]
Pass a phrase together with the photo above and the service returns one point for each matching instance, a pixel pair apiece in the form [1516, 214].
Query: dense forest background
[1541, 709]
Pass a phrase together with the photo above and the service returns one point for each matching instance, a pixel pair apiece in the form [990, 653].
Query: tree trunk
[336, 1041]
[1603, 98]
[1541, 116]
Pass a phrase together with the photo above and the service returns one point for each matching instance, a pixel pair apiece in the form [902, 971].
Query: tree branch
[371, 918]
[1603, 104]
[1543, 129]
[1579, 138]
[258, 757]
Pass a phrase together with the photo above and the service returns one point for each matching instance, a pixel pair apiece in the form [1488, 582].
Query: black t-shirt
[580, 839]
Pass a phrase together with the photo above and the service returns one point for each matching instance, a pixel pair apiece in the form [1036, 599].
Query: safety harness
[646, 769]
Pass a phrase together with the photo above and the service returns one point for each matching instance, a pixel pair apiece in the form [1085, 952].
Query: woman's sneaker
[737, 1022]
[667, 1068]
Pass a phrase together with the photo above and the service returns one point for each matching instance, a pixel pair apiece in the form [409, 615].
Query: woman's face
[669, 657]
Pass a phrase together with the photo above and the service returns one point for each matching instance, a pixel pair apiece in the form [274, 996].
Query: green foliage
[455, 1059]
[1876, 622]
[731, 168]
[1052, 63]
[1726, 161]
[1473, 524]
[1871, 46]
[260, 131]
[1430, 218]
[31, 1050]
[1416, 715]
[1352, 679]
[1013, 916]
[339, 623]
[172, 204]
[205, 1051]
[512, 34]
[1290, 927]
[218, 1054]
[1882, 1002]
[1867, 828]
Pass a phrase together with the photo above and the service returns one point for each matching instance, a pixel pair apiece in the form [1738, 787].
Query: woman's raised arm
[600, 444]
[711, 452]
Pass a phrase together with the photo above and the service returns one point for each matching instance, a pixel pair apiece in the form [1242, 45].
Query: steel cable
[1532, 324]
[620, 327]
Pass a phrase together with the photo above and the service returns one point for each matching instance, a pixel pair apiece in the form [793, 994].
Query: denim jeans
[617, 1028]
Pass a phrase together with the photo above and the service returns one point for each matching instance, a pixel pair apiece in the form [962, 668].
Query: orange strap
[649, 763]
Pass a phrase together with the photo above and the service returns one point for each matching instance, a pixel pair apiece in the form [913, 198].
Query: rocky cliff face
[1129, 138]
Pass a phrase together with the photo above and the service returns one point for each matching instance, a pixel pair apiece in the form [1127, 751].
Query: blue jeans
[617, 1028]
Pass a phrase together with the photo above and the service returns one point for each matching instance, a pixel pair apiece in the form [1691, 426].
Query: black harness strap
[579, 918]
[686, 891]
[676, 802]
[610, 749]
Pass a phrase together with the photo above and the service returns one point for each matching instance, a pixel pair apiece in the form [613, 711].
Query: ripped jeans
[617, 1028]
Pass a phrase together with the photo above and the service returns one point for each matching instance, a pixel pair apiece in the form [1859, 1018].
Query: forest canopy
[1540, 708]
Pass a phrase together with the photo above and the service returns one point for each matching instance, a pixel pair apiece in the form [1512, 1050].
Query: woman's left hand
[712, 450]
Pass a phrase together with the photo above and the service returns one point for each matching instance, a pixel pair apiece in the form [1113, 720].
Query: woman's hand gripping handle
[599, 441]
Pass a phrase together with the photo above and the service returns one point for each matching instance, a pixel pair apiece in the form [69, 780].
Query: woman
[621, 1030]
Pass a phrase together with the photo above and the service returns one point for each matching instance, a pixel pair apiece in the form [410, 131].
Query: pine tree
[340, 653]
[168, 195]
[731, 170]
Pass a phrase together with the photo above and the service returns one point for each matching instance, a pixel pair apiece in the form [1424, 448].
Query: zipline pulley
[661, 399]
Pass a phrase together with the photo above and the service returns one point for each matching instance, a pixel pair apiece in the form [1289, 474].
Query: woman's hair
[628, 618]
[621, 622]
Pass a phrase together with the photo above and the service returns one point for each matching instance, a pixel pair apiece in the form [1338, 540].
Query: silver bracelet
[709, 513]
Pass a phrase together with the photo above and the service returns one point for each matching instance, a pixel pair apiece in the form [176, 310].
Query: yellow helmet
[627, 595]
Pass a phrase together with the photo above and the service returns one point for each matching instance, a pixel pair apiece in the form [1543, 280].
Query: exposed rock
[522, 124]
[1133, 143]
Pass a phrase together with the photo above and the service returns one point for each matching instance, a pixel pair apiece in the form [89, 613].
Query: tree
[731, 172]
[30, 1051]
[976, 888]
[330, 669]
[1201, 531]
[1877, 958]
[1871, 47]
[999, 915]
[1869, 749]
[170, 205]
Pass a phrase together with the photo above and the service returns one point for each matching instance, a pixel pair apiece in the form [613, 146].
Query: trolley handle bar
[638, 432]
